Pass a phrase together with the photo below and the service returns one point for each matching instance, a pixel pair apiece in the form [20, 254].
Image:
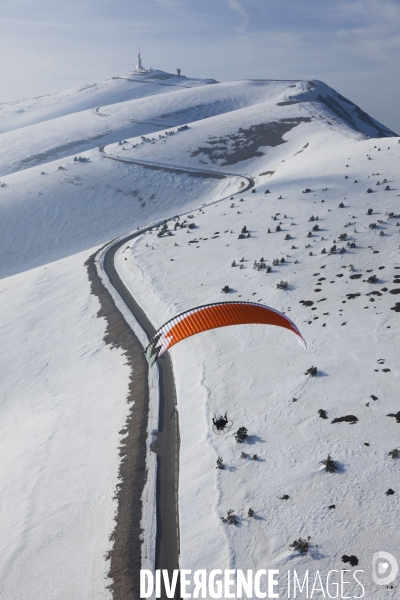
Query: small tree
[250, 512]
[282, 285]
[301, 545]
[226, 289]
[220, 463]
[241, 434]
[244, 455]
[370, 211]
[312, 371]
[230, 518]
[394, 453]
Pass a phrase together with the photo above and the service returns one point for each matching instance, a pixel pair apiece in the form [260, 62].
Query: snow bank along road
[183, 169]
[167, 542]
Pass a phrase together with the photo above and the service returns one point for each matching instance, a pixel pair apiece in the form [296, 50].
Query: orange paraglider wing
[211, 316]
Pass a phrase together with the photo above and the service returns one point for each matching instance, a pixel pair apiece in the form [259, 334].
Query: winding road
[167, 542]
[167, 539]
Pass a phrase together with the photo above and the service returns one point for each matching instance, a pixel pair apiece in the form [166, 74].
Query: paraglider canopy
[212, 316]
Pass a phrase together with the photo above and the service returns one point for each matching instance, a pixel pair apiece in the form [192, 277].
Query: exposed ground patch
[125, 556]
[245, 144]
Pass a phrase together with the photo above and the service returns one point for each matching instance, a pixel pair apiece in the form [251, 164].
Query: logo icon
[384, 568]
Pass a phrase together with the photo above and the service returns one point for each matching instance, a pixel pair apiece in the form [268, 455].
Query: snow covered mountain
[21, 113]
[230, 124]
[57, 126]
[83, 167]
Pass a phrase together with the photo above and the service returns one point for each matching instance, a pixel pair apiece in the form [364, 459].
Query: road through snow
[167, 543]
[167, 540]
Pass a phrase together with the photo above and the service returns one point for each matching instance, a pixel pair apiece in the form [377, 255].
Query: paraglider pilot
[220, 422]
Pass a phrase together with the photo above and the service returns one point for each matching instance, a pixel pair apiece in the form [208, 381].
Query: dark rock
[348, 419]
[353, 560]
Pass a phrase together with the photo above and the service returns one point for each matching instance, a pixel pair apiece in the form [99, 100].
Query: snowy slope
[58, 137]
[239, 137]
[318, 92]
[257, 374]
[20, 113]
[105, 124]
[64, 206]
[71, 206]
[63, 404]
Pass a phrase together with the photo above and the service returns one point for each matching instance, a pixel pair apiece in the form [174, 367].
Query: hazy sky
[50, 45]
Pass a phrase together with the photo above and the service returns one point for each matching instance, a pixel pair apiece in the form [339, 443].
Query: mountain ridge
[96, 122]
